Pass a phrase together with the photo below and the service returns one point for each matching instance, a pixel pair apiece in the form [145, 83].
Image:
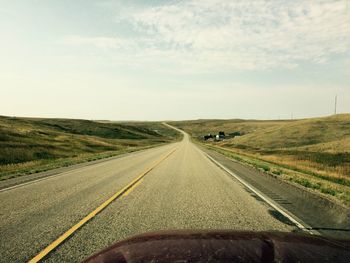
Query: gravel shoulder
[319, 213]
[27, 179]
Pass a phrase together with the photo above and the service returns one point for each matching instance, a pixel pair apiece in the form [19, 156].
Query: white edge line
[71, 170]
[39, 179]
[77, 169]
[302, 226]
[266, 199]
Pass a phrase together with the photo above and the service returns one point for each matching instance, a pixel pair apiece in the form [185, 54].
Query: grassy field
[31, 145]
[314, 153]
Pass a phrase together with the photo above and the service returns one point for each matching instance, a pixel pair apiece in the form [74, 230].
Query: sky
[174, 60]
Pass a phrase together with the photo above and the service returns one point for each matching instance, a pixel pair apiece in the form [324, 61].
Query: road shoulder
[319, 213]
[15, 182]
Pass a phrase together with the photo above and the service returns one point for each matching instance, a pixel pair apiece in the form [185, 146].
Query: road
[183, 190]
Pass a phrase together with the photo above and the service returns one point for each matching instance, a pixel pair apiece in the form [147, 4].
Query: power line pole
[335, 105]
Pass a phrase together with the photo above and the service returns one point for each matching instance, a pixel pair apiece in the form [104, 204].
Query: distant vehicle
[225, 246]
[221, 135]
[209, 136]
[217, 137]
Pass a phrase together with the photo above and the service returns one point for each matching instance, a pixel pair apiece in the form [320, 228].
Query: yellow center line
[74, 228]
[132, 188]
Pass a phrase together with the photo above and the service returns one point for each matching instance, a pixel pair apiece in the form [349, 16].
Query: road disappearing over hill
[175, 186]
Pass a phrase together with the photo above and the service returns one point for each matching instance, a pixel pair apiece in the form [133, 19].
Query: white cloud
[100, 42]
[218, 34]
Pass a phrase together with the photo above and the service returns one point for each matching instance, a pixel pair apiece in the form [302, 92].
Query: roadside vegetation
[313, 153]
[32, 145]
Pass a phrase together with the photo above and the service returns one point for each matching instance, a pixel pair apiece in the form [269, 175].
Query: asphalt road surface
[184, 190]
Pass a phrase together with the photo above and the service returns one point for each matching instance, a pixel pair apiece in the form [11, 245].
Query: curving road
[184, 191]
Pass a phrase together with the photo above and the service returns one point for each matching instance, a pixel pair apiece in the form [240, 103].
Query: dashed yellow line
[74, 228]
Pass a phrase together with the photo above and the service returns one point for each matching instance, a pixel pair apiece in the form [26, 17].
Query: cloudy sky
[159, 60]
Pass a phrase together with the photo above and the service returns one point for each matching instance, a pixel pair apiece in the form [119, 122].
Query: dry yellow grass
[312, 152]
[30, 145]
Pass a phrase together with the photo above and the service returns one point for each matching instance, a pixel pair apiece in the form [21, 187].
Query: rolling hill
[34, 144]
[312, 152]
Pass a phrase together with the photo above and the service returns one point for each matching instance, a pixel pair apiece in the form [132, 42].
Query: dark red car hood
[225, 246]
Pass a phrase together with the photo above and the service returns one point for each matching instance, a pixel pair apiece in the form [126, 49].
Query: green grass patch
[262, 164]
[273, 168]
[277, 172]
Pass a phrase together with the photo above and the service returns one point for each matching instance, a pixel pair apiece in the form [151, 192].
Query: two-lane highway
[183, 190]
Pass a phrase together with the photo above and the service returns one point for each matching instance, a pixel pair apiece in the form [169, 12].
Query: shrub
[277, 172]
[328, 191]
[304, 182]
[265, 168]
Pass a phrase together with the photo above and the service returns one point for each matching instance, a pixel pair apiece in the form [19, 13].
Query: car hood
[225, 246]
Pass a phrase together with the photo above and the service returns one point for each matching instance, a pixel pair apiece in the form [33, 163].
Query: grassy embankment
[31, 145]
[314, 153]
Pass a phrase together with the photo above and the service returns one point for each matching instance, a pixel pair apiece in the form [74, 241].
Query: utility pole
[335, 105]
